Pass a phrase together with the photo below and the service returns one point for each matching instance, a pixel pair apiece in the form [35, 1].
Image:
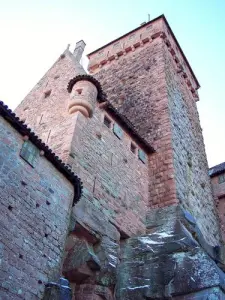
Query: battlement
[142, 37]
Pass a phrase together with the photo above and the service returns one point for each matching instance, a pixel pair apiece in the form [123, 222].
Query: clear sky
[34, 33]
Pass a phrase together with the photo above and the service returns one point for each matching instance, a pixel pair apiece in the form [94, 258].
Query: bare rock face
[108, 254]
[165, 263]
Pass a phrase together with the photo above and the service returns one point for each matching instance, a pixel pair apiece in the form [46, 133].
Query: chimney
[79, 49]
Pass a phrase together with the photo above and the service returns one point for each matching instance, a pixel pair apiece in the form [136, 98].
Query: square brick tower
[146, 226]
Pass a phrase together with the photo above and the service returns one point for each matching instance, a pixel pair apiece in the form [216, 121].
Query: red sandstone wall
[47, 113]
[115, 179]
[153, 86]
[135, 83]
[35, 211]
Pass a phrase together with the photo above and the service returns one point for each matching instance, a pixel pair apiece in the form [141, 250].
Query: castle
[105, 191]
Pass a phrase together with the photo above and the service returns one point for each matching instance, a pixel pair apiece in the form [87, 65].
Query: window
[117, 131]
[107, 121]
[133, 148]
[221, 178]
[47, 93]
[142, 156]
[79, 91]
[29, 153]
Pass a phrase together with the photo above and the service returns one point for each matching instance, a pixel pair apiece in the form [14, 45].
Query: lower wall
[35, 206]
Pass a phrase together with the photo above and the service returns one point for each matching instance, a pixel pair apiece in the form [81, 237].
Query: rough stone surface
[35, 212]
[191, 169]
[219, 198]
[163, 264]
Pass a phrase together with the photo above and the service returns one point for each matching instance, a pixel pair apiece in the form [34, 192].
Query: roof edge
[217, 169]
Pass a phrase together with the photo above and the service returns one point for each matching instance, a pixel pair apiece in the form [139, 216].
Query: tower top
[147, 32]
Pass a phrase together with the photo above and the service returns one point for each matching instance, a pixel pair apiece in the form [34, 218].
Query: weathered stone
[34, 221]
[80, 260]
[88, 291]
[58, 291]
[108, 254]
[94, 219]
[163, 264]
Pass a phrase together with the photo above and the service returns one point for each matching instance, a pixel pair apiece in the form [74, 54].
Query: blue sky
[34, 33]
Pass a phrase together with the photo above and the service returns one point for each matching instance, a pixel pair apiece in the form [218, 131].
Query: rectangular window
[107, 121]
[142, 156]
[221, 178]
[117, 131]
[133, 148]
[29, 153]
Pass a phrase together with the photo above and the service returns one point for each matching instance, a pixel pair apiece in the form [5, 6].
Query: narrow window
[117, 131]
[133, 147]
[142, 156]
[221, 178]
[47, 93]
[79, 91]
[29, 153]
[107, 121]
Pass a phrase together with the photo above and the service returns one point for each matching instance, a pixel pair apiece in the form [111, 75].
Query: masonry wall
[47, 104]
[35, 212]
[147, 85]
[135, 84]
[190, 162]
[115, 179]
[219, 198]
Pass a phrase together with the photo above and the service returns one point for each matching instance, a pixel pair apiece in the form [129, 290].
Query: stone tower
[130, 129]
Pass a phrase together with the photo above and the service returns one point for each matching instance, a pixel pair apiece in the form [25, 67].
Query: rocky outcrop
[168, 262]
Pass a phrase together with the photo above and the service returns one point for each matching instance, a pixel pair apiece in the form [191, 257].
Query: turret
[84, 91]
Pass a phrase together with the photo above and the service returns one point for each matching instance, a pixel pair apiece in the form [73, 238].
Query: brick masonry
[35, 213]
